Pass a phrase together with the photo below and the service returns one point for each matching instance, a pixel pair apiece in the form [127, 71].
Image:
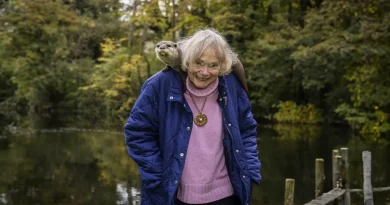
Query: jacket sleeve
[141, 135]
[248, 129]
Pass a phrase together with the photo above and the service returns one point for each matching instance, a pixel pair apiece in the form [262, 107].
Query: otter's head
[167, 52]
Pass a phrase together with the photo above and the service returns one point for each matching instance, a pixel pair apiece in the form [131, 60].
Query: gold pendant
[200, 119]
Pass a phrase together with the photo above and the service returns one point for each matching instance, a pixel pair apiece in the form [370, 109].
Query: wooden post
[338, 176]
[334, 167]
[320, 177]
[289, 192]
[367, 187]
[345, 175]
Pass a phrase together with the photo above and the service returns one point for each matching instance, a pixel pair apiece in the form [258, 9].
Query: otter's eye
[175, 45]
[158, 46]
[168, 46]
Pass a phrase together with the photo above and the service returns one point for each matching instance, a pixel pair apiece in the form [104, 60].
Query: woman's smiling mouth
[201, 79]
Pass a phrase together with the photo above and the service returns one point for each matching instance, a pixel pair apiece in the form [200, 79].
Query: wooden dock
[328, 198]
[340, 194]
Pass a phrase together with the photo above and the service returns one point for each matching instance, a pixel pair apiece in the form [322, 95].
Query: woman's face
[205, 70]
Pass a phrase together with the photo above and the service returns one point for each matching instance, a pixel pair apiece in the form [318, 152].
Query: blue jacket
[159, 128]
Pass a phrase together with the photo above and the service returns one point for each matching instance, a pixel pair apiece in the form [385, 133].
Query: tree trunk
[144, 54]
[318, 3]
[132, 25]
[173, 19]
[303, 5]
[289, 16]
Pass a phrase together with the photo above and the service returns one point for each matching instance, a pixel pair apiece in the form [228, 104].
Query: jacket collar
[222, 86]
[176, 88]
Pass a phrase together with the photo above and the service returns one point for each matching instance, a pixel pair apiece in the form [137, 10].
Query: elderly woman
[195, 146]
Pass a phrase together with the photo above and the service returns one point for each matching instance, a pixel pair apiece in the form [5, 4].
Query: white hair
[193, 47]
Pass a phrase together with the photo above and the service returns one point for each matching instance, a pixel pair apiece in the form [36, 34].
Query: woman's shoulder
[234, 85]
[231, 80]
[162, 79]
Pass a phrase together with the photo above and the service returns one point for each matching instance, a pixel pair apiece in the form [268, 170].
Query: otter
[170, 54]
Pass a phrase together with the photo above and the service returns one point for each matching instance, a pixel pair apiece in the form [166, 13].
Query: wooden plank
[378, 189]
[328, 197]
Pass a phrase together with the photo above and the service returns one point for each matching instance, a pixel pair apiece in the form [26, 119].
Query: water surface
[91, 166]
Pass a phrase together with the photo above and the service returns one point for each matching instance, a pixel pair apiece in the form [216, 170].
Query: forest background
[307, 61]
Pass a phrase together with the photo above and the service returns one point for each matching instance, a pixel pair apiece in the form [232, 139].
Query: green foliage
[151, 15]
[371, 124]
[37, 50]
[93, 55]
[289, 112]
[42, 43]
[116, 81]
[376, 126]
[337, 58]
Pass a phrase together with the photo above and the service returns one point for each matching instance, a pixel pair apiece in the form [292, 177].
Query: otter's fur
[170, 54]
[239, 72]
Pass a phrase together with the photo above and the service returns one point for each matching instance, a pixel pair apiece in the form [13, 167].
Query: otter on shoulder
[170, 54]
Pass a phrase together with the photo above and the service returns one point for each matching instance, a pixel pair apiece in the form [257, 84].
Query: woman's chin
[201, 84]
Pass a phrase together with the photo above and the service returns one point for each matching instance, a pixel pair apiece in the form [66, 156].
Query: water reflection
[123, 194]
[136, 194]
[127, 195]
[91, 166]
[3, 199]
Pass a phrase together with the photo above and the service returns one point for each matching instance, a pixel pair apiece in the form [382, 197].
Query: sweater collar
[201, 92]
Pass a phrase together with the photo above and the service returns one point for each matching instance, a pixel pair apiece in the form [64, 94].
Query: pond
[90, 166]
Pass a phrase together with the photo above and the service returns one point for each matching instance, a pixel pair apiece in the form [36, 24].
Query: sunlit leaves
[117, 79]
[289, 112]
[108, 47]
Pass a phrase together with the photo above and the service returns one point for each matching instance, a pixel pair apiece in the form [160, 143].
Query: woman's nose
[204, 71]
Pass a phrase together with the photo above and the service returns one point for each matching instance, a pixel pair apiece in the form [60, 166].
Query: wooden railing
[340, 194]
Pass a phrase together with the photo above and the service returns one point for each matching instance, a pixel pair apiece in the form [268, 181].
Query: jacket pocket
[157, 195]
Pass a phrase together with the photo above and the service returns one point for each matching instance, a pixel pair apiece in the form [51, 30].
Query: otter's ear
[175, 45]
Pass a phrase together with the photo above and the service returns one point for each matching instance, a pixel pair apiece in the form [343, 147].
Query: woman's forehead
[209, 55]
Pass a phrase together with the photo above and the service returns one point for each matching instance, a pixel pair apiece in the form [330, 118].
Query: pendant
[200, 119]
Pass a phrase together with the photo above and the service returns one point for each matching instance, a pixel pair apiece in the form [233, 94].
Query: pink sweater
[205, 178]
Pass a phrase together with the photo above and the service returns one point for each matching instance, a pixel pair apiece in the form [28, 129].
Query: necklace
[200, 119]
